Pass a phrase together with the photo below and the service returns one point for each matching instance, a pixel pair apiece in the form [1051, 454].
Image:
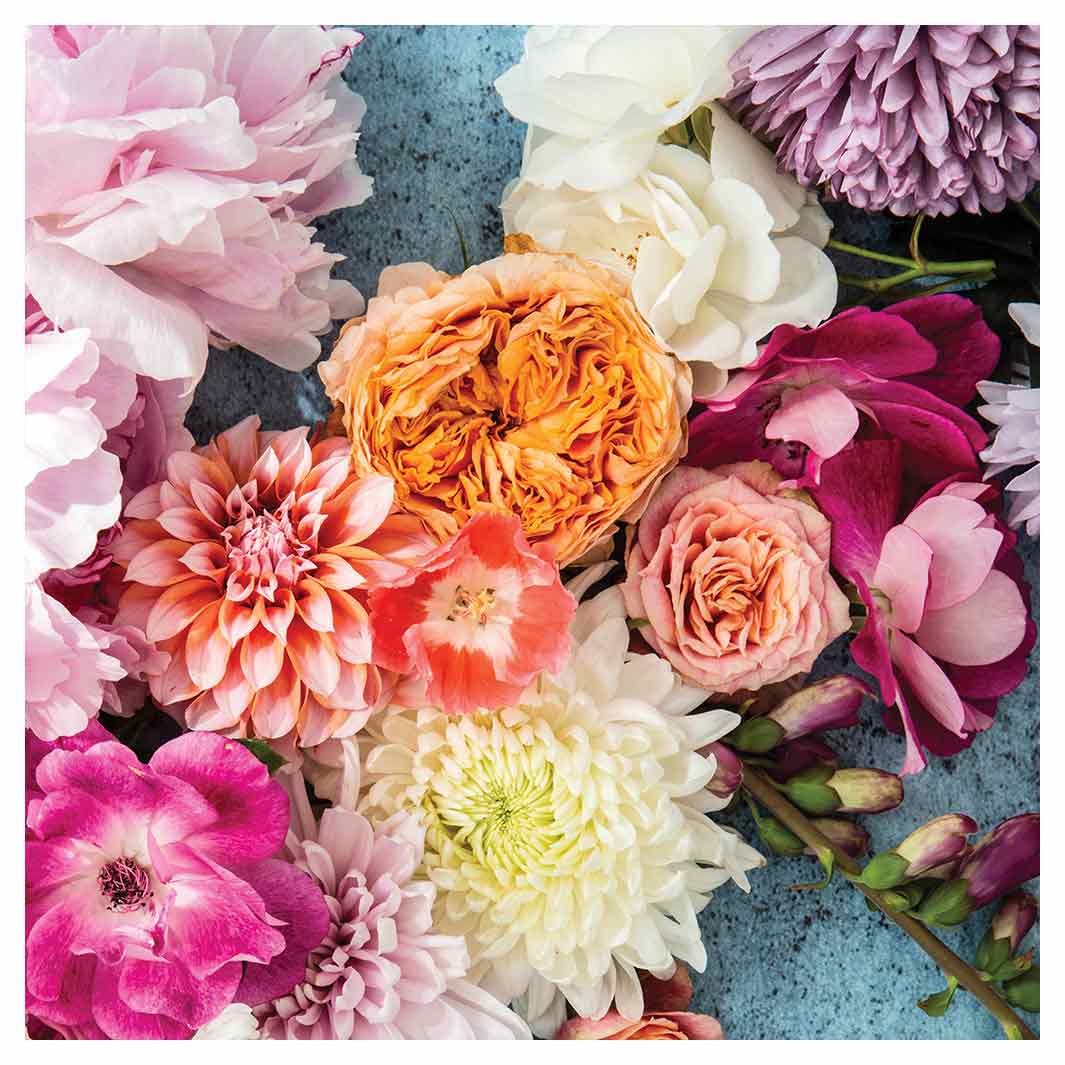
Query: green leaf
[265, 753]
[703, 128]
[938, 1004]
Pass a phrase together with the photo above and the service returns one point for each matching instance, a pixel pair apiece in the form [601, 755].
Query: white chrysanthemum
[1015, 410]
[567, 836]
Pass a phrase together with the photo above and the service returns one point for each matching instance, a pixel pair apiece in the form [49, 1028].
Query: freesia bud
[1015, 918]
[1023, 990]
[938, 841]
[866, 791]
[728, 776]
[822, 790]
[996, 954]
[851, 838]
[829, 704]
[801, 754]
[1003, 860]
[779, 839]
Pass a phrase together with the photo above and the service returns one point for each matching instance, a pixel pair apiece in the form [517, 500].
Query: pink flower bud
[799, 755]
[850, 837]
[938, 841]
[865, 791]
[1005, 858]
[1015, 918]
[728, 775]
[829, 704]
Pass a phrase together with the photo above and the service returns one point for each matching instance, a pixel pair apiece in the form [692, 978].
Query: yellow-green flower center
[496, 806]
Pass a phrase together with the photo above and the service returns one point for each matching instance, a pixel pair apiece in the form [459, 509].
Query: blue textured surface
[782, 964]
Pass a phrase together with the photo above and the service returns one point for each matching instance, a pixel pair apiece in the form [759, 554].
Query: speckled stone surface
[782, 964]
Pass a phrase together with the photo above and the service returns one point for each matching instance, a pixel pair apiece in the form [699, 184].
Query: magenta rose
[731, 575]
[150, 888]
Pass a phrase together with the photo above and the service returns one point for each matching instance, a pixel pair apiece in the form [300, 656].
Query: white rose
[607, 94]
[720, 252]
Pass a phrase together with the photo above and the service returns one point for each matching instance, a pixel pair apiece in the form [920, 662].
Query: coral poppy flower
[478, 619]
[248, 566]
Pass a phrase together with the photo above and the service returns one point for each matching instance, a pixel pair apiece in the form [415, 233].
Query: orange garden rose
[529, 383]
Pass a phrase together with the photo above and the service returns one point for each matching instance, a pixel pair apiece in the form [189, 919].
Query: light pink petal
[819, 416]
[980, 630]
[964, 546]
[931, 685]
[902, 575]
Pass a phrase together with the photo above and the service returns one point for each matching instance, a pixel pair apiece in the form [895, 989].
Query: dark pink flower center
[126, 885]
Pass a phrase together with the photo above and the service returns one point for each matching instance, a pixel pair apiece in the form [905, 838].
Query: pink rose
[732, 576]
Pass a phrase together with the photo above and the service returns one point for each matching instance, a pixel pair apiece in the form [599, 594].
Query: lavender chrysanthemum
[908, 118]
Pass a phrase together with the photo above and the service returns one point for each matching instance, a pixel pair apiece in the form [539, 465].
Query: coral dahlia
[566, 834]
[248, 566]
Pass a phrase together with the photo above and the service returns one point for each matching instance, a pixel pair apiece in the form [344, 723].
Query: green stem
[759, 786]
[1028, 214]
[865, 253]
[917, 267]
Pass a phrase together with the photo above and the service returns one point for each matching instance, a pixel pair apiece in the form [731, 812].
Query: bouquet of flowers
[434, 718]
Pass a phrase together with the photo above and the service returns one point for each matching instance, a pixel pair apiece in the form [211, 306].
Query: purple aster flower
[909, 118]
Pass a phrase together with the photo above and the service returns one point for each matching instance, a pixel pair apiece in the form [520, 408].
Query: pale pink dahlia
[192, 159]
[140, 910]
[380, 972]
[477, 619]
[248, 565]
[909, 118]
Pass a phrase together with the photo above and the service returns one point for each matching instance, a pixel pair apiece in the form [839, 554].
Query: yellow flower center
[472, 606]
[496, 807]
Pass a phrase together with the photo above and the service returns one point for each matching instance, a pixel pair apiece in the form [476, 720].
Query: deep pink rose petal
[859, 494]
[119, 1021]
[290, 895]
[170, 989]
[968, 348]
[252, 809]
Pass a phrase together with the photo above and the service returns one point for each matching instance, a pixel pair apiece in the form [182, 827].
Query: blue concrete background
[782, 964]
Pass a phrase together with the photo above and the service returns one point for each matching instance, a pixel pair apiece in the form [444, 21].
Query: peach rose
[732, 576]
[665, 1003]
[529, 384]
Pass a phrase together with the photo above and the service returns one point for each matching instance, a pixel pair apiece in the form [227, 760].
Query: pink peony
[192, 159]
[68, 668]
[248, 566]
[96, 430]
[139, 913]
[904, 372]
[477, 619]
[665, 1016]
[731, 574]
[380, 971]
[911, 118]
[948, 629]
